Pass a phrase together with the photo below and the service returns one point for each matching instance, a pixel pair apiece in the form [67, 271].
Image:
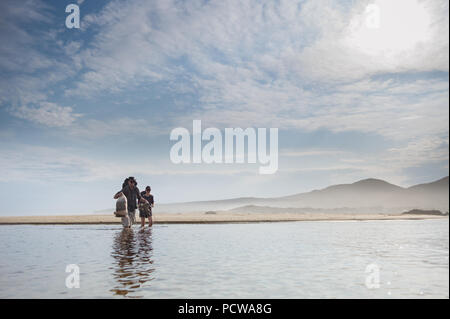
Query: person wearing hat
[146, 211]
[131, 192]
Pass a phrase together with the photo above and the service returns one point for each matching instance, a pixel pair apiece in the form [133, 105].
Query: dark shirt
[149, 198]
[132, 196]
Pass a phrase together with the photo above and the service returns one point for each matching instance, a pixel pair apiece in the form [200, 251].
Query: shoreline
[202, 218]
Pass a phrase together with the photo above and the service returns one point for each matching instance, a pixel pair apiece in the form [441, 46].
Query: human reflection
[133, 254]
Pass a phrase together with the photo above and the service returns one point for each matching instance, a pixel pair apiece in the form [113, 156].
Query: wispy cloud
[293, 62]
[48, 114]
[38, 163]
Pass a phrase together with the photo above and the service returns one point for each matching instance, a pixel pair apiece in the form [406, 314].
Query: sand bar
[199, 218]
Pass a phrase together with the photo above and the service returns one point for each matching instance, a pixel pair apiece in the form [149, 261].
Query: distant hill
[424, 212]
[368, 195]
[440, 185]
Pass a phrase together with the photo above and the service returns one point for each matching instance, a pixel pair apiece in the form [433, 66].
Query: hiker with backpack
[131, 192]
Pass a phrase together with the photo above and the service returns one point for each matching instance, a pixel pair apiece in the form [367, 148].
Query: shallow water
[254, 260]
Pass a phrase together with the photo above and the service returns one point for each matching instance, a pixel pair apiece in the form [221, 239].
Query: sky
[357, 89]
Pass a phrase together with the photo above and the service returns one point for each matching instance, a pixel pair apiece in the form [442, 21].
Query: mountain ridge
[370, 193]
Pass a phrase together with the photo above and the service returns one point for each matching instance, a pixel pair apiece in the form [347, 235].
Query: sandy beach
[218, 217]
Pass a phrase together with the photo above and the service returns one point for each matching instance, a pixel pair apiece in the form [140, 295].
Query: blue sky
[81, 109]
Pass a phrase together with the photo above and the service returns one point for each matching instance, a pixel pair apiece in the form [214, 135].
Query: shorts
[145, 212]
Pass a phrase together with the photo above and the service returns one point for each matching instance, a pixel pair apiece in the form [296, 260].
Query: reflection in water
[133, 254]
[254, 260]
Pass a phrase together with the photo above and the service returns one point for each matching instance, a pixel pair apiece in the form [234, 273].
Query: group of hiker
[133, 196]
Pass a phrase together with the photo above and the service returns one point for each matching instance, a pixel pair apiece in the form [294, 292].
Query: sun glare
[390, 27]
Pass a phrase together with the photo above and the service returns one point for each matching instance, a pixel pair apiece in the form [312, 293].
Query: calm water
[259, 260]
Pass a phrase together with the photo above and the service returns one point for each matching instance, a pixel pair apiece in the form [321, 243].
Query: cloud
[311, 152]
[296, 65]
[418, 152]
[119, 126]
[412, 36]
[48, 114]
[398, 110]
[15, 17]
[75, 125]
[39, 163]
[389, 164]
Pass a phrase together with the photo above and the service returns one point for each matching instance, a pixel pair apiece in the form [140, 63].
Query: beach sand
[218, 217]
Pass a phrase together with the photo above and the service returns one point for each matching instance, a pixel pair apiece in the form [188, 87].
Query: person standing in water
[131, 192]
[147, 213]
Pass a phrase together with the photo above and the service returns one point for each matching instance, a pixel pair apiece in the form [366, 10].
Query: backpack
[121, 206]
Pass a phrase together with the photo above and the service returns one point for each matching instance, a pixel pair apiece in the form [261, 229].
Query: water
[255, 260]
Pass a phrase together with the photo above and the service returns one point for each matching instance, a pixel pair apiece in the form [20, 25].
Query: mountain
[364, 193]
[368, 195]
[440, 185]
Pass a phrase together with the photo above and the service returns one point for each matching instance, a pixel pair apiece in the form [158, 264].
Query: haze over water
[253, 260]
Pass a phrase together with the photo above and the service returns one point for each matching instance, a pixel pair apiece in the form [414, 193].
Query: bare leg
[126, 221]
[150, 221]
[132, 217]
[142, 221]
